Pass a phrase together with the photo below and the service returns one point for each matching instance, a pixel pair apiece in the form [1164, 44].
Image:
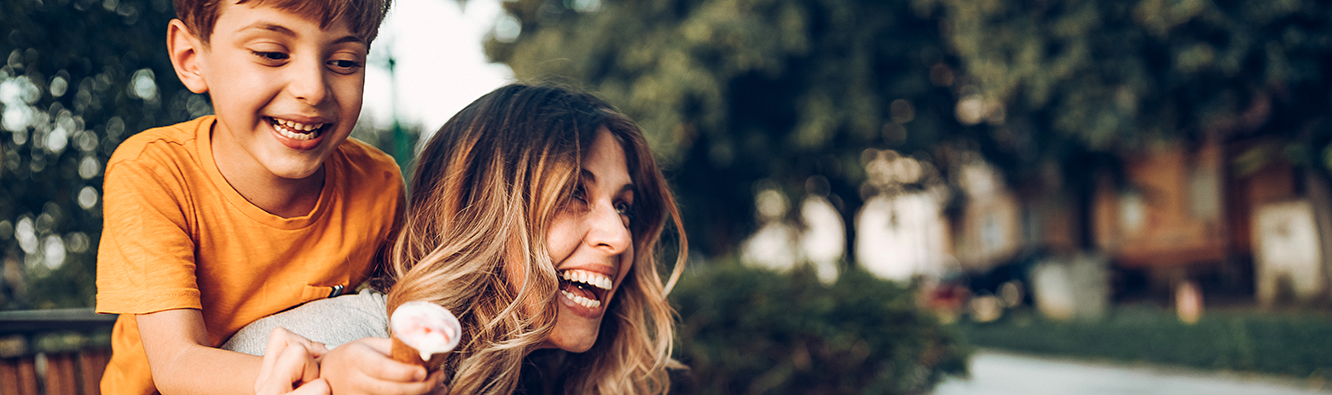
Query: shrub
[1291, 343]
[752, 331]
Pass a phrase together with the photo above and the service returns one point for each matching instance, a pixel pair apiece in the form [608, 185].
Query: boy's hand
[291, 365]
[364, 367]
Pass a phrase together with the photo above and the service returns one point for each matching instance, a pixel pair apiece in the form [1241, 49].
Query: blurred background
[873, 190]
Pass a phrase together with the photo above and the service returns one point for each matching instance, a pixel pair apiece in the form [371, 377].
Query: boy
[215, 222]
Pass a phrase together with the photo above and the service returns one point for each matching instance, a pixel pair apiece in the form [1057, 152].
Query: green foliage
[79, 77]
[733, 92]
[1118, 76]
[398, 140]
[1290, 343]
[751, 331]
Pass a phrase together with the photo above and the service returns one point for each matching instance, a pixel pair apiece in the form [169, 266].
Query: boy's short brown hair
[363, 16]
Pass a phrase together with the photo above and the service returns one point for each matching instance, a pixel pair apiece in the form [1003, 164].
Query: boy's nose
[308, 84]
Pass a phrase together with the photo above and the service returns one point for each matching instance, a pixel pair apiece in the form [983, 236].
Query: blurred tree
[1119, 75]
[734, 94]
[1066, 85]
[738, 91]
[79, 77]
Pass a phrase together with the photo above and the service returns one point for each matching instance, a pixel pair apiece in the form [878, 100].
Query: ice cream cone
[404, 353]
[422, 332]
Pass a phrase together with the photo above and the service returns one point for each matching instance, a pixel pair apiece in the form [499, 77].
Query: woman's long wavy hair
[486, 188]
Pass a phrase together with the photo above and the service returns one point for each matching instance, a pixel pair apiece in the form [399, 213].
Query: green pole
[403, 147]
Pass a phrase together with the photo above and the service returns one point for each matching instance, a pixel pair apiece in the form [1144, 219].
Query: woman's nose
[608, 230]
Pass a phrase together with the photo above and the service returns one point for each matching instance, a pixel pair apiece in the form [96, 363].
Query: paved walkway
[1000, 373]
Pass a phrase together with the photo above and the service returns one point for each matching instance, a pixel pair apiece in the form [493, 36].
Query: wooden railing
[27, 370]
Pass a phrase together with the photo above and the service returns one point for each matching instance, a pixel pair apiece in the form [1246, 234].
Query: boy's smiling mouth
[296, 130]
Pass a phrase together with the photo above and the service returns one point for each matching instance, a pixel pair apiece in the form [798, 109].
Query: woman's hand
[364, 367]
[291, 365]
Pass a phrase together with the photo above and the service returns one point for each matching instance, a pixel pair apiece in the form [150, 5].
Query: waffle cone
[404, 353]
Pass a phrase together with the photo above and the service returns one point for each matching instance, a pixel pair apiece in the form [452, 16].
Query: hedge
[752, 331]
[1293, 343]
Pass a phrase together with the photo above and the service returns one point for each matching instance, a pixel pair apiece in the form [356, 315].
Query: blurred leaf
[1327, 158]
[1254, 159]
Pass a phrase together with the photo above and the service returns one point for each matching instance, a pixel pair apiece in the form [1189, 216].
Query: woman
[534, 216]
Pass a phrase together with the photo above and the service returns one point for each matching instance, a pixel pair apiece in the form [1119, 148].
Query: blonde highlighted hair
[486, 188]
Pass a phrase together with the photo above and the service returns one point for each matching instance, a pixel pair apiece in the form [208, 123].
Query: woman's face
[591, 246]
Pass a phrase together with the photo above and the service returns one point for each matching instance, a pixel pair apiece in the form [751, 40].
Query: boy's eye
[345, 66]
[271, 57]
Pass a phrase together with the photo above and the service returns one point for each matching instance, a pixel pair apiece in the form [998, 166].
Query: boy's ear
[184, 49]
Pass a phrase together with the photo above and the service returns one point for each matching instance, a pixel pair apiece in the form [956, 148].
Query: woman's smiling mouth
[585, 288]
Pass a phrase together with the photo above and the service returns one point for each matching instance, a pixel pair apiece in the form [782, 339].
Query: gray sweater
[331, 321]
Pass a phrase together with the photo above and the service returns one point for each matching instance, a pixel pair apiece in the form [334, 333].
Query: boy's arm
[182, 362]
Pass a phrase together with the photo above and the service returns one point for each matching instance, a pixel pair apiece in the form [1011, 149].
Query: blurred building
[1203, 217]
[1206, 217]
[1195, 213]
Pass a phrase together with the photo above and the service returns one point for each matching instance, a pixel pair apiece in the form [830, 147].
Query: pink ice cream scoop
[422, 329]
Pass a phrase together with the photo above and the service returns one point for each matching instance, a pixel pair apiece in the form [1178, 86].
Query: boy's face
[286, 92]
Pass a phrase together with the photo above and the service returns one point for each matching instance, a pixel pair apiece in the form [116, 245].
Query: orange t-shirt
[178, 236]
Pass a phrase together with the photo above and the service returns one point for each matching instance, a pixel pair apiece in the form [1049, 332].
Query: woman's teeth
[590, 278]
[585, 302]
[296, 130]
[585, 279]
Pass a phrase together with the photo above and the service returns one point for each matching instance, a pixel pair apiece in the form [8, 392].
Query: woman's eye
[625, 211]
[580, 195]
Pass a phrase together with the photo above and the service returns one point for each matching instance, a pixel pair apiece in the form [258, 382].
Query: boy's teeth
[299, 126]
[295, 130]
[585, 302]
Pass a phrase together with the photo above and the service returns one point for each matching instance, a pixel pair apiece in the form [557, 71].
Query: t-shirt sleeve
[145, 260]
[332, 321]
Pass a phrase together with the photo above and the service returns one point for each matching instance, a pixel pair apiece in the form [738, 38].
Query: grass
[1286, 343]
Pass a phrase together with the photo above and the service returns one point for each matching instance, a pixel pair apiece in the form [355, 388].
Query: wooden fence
[25, 370]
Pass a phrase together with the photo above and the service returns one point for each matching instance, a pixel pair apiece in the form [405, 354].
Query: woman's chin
[573, 333]
[570, 345]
